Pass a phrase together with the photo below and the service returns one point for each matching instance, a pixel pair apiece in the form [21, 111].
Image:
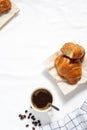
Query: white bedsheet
[40, 29]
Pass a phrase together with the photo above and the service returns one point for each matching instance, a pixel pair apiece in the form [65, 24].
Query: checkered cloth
[76, 120]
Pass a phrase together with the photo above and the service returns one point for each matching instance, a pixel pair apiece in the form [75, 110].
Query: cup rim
[36, 109]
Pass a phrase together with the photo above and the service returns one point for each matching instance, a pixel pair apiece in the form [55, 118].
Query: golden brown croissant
[5, 5]
[73, 51]
[69, 69]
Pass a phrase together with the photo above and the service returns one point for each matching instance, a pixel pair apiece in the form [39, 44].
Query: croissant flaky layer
[69, 69]
[72, 50]
[5, 5]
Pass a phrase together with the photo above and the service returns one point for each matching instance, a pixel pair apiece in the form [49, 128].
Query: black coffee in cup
[41, 98]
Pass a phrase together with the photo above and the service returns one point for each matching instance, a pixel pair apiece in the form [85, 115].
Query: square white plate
[5, 18]
[62, 84]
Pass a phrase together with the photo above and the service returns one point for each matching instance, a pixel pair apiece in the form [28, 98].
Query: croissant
[5, 5]
[69, 69]
[73, 51]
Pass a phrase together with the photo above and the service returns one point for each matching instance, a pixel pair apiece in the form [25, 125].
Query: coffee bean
[33, 122]
[39, 124]
[33, 128]
[28, 117]
[26, 111]
[19, 115]
[38, 121]
[24, 116]
[30, 114]
[27, 125]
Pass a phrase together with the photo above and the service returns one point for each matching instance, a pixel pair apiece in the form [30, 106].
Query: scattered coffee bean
[19, 115]
[30, 114]
[28, 117]
[27, 125]
[39, 124]
[24, 116]
[38, 121]
[34, 121]
[26, 111]
[33, 128]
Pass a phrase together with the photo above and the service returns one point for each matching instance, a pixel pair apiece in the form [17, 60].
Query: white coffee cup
[40, 99]
[45, 115]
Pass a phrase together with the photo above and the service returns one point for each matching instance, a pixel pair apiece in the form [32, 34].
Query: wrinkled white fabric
[76, 120]
[38, 31]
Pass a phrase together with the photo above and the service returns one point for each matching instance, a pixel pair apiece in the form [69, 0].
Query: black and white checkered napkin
[76, 120]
